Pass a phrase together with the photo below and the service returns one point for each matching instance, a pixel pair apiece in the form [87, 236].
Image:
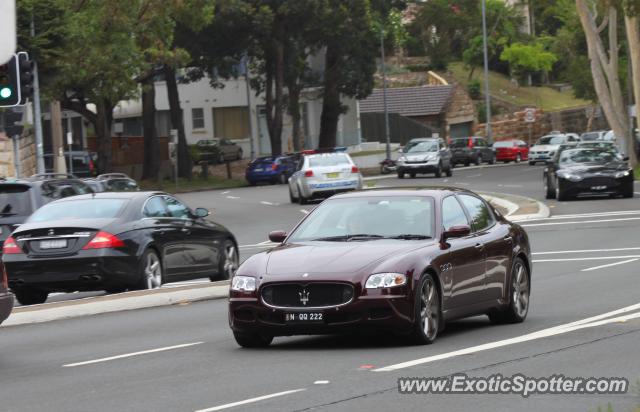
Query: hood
[544, 147]
[420, 156]
[333, 257]
[588, 169]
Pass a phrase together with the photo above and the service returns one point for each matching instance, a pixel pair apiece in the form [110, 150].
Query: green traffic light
[5, 92]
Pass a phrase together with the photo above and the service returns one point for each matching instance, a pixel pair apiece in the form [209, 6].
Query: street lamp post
[384, 96]
[487, 98]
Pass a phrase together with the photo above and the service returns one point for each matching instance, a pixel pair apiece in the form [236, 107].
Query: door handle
[185, 230]
[508, 238]
[479, 246]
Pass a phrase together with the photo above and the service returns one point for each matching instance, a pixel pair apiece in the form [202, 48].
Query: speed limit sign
[529, 115]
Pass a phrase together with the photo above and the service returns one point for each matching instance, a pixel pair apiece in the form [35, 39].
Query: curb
[513, 207]
[116, 303]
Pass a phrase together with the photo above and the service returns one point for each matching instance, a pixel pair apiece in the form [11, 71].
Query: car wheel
[301, 199]
[560, 194]
[239, 155]
[413, 175]
[400, 175]
[519, 291]
[467, 162]
[478, 160]
[550, 192]
[531, 163]
[252, 340]
[449, 171]
[30, 296]
[151, 275]
[438, 172]
[427, 311]
[292, 198]
[492, 160]
[229, 261]
[518, 158]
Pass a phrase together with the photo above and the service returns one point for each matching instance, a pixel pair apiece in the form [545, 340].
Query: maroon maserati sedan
[403, 260]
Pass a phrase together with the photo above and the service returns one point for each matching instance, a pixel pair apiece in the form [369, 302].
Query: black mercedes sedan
[587, 171]
[113, 242]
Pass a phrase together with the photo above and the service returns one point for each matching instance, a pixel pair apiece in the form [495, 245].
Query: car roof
[114, 195]
[431, 191]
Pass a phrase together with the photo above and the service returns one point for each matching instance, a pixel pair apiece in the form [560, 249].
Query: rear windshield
[122, 185]
[79, 209]
[552, 140]
[459, 143]
[504, 144]
[329, 160]
[590, 136]
[15, 200]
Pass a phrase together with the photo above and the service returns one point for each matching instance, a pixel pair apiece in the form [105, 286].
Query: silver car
[322, 175]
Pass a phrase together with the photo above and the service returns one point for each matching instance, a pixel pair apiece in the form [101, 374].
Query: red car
[511, 151]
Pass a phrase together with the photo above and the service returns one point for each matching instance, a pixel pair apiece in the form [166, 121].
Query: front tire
[561, 195]
[252, 340]
[492, 160]
[427, 315]
[438, 172]
[519, 291]
[30, 296]
[531, 163]
[449, 171]
[151, 273]
[301, 199]
[292, 198]
[478, 160]
[413, 175]
[400, 175]
[229, 263]
[550, 192]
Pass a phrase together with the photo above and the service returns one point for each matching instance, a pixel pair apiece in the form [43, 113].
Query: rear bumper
[92, 270]
[326, 189]
[502, 157]
[6, 305]
[262, 177]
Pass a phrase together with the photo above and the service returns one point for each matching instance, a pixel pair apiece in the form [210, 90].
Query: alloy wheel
[520, 290]
[153, 271]
[231, 261]
[429, 313]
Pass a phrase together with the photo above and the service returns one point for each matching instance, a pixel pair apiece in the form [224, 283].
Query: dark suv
[469, 150]
[21, 197]
[82, 164]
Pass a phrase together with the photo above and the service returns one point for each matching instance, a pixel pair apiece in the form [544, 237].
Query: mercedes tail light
[308, 173]
[104, 240]
[10, 247]
[354, 169]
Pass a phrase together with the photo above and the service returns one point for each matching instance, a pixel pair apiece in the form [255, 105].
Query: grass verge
[637, 172]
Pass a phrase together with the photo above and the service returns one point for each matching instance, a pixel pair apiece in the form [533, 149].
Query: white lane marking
[252, 400]
[585, 258]
[473, 176]
[305, 211]
[580, 222]
[556, 330]
[128, 355]
[225, 192]
[638, 193]
[321, 382]
[232, 197]
[586, 215]
[609, 265]
[267, 203]
[558, 252]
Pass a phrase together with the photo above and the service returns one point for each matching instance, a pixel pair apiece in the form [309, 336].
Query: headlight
[402, 159]
[551, 154]
[624, 173]
[571, 177]
[385, 280]
[243, 284]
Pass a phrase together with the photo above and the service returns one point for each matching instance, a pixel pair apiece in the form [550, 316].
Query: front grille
[600, 181]
[307, 295]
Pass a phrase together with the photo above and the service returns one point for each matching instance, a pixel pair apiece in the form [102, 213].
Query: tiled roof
[409, 101]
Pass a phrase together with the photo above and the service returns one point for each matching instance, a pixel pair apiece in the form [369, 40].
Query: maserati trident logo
[304, 297]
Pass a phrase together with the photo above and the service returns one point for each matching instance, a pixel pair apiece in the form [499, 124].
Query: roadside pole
[487, 98]
[69, 145]
[59, 165]
[384, 96]
[248, 89]
[37, 112]
[16, 155]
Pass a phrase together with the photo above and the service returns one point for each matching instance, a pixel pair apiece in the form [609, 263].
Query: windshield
[420, 147]
[597, 156]
[79, 209]
[373, 216]
[589, 136]
[553, 140]
[15, 200]
[509, 143]
[459, 142]
[328, 160]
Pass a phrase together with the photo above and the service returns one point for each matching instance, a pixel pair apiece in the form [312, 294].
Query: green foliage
[474, 89]
[527, 59]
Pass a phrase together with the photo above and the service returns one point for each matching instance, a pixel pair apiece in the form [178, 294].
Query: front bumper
[89, 270]
[6, 305]
[597, 185]
[539, 157]
[388, 312]
[424, 167]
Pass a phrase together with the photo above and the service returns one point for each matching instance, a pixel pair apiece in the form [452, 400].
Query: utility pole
[37, 112]
[487, 98]
[384, 96]
[59, 165]
[248, 88]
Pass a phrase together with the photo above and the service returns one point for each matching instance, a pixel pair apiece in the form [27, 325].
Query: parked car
[112, 182]
[6, 297]
[425, 155]
[115, 241]
[587, 171]
[511, 151]
[82, 164]
[469, 150]
[403, 260]
[322, 175]
[272, 169]
[19, 198]
[593, 136]
[217, 151]
[546, 147]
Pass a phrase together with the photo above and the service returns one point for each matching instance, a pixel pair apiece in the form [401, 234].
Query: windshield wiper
[347, 238]
[409, 237]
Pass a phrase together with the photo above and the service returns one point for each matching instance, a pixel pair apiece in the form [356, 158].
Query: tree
[525, 59]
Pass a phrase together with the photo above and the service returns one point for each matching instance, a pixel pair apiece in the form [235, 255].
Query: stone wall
[461, 107]
[27, 156]
[572, 120]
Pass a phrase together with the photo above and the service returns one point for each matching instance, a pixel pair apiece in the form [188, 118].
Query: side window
[176, 208]
[155, 207]
[452, 213]
[481, 216]
[81, 188]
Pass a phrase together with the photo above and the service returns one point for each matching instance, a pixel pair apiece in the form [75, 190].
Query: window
[15, 200]
[197, 118]
[452, 213]
[155, 207]
[79, 209]
[481, 216]
[177, 209]
[231, 122]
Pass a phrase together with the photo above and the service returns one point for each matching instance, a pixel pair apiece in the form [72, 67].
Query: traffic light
[10, 83]
[25, 67]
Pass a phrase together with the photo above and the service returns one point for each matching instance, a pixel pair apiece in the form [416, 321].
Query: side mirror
[456, 232]
[277, 236]
[201, 212]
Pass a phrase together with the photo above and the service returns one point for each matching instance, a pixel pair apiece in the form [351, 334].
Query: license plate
[333, 175]
[598, 187]
[53, 244]
[258, 169]
[297, 317]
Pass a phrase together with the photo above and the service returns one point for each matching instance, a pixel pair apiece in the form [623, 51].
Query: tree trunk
[104, 118]
[331, 105]
[185, 166]
[151, 167]
[633, 39]
[294, 89]
[274, 83]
